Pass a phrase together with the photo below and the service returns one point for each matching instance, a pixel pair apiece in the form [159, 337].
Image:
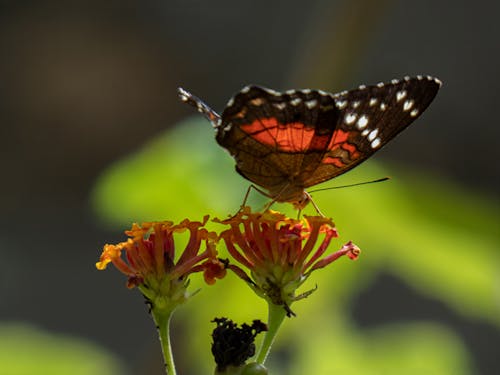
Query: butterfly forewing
[370, 117]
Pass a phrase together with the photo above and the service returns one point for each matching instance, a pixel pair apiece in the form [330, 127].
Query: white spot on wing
[280, 106]
[362, 87]
[376, 142]
[340, 104]
[311, 103]
[362, 122]
[372, 135]
[245, 89]
[306, 91]
[290, 92]
[408, 104]
[400, 95]
[350, 118]
[406, 78]
[257, 102]
[183, 94]
[383, 106]
[414, 112]
[356, 104]
[419, 77]
[365, 132]
[230, 102]
[295, 102]
[380, 84]
[373, 101]
[271, 91]
[394, 81]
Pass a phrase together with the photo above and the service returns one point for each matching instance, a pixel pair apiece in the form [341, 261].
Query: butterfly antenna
[200, 106]
[350, 185]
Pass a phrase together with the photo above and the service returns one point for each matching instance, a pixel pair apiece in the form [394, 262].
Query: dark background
[84, 83]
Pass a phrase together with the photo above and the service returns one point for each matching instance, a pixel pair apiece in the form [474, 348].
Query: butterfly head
[295, 195]
[302, 202]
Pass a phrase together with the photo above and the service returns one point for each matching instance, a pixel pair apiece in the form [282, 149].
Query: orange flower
[150, 264]
[280, 252]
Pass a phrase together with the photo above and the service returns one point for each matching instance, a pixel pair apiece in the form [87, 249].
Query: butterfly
[286, 142]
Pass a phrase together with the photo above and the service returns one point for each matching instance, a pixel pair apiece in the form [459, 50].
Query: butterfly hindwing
[273, 135]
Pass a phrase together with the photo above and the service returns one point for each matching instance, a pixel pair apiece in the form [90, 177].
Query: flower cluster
[150, 261]
[280, 252]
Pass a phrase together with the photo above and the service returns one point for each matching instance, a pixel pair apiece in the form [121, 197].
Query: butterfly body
[287, 142]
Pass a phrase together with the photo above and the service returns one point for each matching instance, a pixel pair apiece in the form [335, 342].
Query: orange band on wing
[294, 137]
[335, 161]
[339, 141]
[297, 137]
[338, 137]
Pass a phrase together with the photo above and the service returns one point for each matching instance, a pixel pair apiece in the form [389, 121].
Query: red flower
[150, 262]
[280, 252]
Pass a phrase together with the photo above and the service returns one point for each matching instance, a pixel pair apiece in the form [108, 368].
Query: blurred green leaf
[410, 349]
[442, 242]
[25, 350]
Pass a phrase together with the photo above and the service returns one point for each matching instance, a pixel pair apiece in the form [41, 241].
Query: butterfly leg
[243, 204]
[245, 199]
[309, 198]
[274, 199]
[299, 205]
[268, 205]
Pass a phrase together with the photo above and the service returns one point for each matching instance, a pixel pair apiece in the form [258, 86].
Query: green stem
[276, 314]
[162, 321]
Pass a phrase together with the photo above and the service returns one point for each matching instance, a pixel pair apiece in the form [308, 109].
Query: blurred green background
[95, 138]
